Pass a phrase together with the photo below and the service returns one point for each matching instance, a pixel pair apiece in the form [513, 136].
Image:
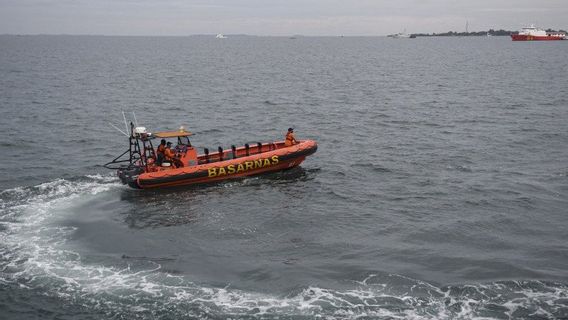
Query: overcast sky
[274, 17]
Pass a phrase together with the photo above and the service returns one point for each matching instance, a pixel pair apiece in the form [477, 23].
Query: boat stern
[129, 176]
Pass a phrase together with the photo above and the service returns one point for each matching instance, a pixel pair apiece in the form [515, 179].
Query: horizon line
[228, 34]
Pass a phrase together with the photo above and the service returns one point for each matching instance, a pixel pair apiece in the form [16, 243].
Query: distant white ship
[220, 36]
[401, 35]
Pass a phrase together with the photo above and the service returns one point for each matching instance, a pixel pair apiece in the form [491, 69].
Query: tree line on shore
[489, 32]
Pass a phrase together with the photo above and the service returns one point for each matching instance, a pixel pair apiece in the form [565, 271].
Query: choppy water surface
[439, 189]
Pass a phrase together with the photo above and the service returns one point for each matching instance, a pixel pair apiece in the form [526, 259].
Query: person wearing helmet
[290, 139]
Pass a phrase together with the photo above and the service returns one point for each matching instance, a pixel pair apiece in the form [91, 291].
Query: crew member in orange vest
[290, 139]
[160, 152]
[171, 156]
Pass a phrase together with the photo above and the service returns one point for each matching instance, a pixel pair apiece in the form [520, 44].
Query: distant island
[489, 32]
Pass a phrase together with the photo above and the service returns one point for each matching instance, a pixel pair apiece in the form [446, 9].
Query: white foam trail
[31, 256]
[29, 243]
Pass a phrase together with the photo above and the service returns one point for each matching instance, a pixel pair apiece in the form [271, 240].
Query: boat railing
[234, 152]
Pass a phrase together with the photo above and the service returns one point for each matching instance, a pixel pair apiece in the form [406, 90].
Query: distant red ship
[533, 33]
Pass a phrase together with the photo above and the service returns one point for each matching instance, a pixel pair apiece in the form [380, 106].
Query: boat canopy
[172, 134]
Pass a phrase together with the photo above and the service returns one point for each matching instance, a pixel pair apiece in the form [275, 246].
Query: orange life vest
[161, 149]
[290, 139]
[169, 154]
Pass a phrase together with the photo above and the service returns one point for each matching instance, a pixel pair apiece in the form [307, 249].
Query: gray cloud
[276, 17]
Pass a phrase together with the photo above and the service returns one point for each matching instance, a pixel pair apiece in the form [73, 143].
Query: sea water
[439, 189]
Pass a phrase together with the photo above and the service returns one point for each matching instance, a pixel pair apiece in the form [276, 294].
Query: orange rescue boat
[138, 166]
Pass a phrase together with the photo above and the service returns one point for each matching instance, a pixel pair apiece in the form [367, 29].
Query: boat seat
[190, 157]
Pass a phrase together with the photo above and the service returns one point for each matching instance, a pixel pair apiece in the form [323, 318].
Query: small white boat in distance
[220, 36]
[401, 35]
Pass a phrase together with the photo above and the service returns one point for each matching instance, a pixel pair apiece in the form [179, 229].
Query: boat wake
[34, 256]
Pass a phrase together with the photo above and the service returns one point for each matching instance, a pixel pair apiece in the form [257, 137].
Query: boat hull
[524, 37]
[276, 160]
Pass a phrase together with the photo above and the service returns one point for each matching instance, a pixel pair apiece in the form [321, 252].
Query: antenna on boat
[124, 133]
[125, 122]
[135, 121]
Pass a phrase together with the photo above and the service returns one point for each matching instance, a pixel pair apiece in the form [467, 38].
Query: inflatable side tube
[202, 173]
